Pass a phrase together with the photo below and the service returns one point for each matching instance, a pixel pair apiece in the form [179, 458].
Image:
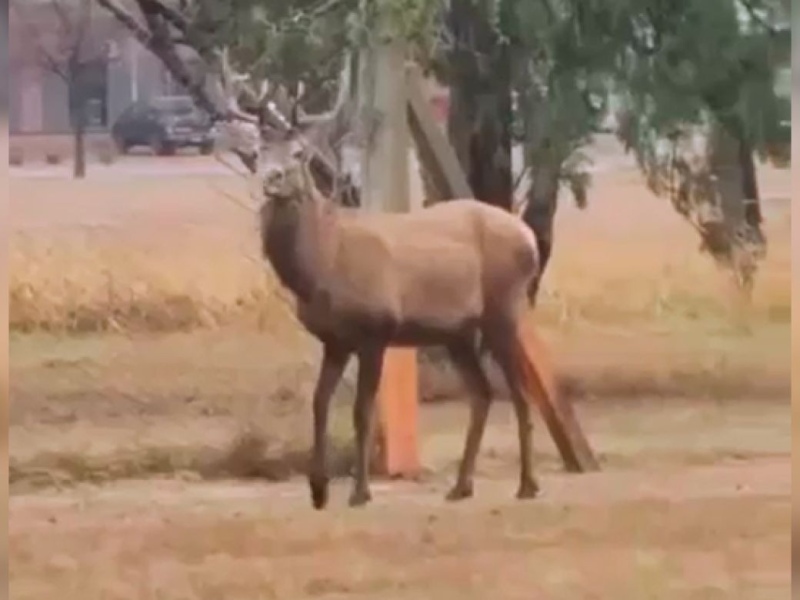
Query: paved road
[131, 167]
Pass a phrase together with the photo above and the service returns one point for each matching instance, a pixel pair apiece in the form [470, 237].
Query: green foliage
[304, 40]
[675, 61]
[283, 41]
[563, 53]
[411, 20]
[701, 100]
[687, 61]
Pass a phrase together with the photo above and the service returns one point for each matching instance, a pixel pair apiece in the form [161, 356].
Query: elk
[454, 274]
[451, 274]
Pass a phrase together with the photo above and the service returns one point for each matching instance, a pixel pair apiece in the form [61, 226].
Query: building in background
[38, 98]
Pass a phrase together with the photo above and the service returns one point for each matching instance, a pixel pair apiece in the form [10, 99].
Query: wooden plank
[435, 151]
[557, 412]
[383, 102]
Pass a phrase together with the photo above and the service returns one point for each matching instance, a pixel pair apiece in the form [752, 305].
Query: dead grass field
[153, 359]
[693, 502]
[628, 292]
[702, 533]
[174, 253]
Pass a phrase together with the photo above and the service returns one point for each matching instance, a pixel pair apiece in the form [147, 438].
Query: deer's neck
[296, 239]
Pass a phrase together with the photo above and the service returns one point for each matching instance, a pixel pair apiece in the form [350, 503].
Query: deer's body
[442, 275]
[420, 278]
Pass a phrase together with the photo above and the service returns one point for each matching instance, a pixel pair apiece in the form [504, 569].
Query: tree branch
[174, 17]
[58, 8]
[324, 7]
[156, 38]
[128, 21]
[50, 62]
[179, 21]
[752, 11]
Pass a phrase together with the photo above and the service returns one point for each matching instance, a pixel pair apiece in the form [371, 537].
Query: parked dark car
[164, 124]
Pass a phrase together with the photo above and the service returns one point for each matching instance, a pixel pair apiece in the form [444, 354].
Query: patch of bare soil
[704, 532]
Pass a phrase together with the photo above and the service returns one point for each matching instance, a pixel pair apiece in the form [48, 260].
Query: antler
[230, 84]
[325, 134]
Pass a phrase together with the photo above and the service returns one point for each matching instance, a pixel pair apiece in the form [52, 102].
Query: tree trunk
[734, 238]
[79, 149]
[544, 164]
[539, 215]
[479, 119]
[77, 104]
[752, 198]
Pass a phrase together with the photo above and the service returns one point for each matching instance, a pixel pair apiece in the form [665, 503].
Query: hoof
[459, 492]
[319, 493]
[360, 498]
[527, 490]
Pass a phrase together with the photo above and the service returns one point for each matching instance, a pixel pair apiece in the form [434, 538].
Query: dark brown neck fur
[295, 236]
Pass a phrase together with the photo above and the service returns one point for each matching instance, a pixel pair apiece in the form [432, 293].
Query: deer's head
[280, 144]
[284, 170]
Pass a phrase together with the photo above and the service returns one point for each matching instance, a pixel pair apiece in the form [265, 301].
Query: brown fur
[442, 275]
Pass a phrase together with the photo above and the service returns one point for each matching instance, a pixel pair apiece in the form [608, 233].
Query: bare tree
[63, 34]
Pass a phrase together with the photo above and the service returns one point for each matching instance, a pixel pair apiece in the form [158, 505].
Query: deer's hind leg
[502, 342]
[466, 360]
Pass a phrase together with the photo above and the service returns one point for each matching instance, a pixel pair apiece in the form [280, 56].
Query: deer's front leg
[369, 376]
[334, 360]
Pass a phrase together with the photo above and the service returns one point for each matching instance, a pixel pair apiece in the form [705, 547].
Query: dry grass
[248, 454]
[146, 257]
[107, 407]
[210, 433]
[190, 541]
[175, 254]
[99, 285]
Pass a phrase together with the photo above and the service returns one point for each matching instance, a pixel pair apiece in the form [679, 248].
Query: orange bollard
[398, 406]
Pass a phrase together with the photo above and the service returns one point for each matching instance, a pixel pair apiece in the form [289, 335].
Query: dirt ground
[703, 532]
[693, 501]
